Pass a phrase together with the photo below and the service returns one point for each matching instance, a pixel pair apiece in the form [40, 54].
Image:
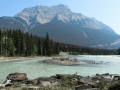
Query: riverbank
[20, 81]
[3, 59]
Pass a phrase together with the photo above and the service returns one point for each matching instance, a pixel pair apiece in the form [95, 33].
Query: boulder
[84, 87]
[106, 74]
[82, 81]
[59, 76]
[45, 83]
[29, 82]
[32, 88]
[35, 82]
[19, 77]
[116, 78]
[39, 79]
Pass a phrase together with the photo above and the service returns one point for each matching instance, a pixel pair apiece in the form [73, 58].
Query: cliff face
[41, 14]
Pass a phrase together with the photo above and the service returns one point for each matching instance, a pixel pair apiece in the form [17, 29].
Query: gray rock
[45, 83]
[17, 77]
[116, 78]
[35, 82]
[81, 81]
[55, 84]
[83, 87]
[32, 89]
[106, 74]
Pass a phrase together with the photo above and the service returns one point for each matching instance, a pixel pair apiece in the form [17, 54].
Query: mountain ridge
[64, 26]
[43, 14]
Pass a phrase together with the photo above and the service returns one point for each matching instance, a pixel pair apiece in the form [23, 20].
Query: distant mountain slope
[64, 26]
[76, 35]
[11, 23]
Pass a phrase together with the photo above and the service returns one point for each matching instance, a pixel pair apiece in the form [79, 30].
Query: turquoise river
[37, 68]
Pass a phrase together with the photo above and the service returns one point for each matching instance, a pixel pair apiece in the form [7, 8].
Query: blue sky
[107, 11]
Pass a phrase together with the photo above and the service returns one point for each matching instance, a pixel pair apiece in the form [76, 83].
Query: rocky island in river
[70, 62]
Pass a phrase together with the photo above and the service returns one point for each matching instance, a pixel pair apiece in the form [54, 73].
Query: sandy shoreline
[4, 59]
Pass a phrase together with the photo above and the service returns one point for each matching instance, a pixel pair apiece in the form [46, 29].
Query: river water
[37, 68]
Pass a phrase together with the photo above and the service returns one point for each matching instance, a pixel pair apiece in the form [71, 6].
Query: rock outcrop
[71, 62]
[66, 82]
[17, 77]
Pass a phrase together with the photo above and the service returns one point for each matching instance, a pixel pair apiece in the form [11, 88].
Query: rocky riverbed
[64, 61]
[20, 81]
[71, 62]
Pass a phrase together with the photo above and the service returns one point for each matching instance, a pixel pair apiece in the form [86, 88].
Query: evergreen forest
[19, 43]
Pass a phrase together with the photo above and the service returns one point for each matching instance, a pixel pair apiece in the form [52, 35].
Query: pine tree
[10, 47]
[43, 47]
[22, 44]
[39, 47]
[27, 45]
[17, 41]
[32, 45]
[57, 48]
[5, 40]
[52, 46]
[9, 33]
[47, 45]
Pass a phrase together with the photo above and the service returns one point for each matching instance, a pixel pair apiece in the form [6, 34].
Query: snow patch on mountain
[116, 42]
[85, 34]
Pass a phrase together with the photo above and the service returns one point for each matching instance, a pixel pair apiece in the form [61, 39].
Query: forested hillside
[18, 43]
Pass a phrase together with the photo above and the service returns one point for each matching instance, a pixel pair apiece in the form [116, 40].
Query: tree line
[80, 50]
[18, 43]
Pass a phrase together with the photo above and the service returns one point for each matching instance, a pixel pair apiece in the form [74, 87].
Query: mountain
[64, 26]
[11, 23]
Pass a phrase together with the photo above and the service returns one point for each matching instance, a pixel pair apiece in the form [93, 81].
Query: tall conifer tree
[39, 46]
[10, 47]
[22, 44]
[47, 45]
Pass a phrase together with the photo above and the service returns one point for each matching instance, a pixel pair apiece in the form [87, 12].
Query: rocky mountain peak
[41, 14]
[61, 7]
[37, 15]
